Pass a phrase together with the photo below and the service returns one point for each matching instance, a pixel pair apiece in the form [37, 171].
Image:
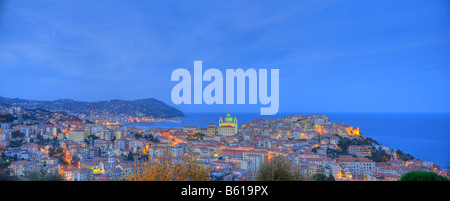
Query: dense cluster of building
[97, 150]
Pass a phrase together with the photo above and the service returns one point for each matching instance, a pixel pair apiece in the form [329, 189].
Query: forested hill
[146, 107]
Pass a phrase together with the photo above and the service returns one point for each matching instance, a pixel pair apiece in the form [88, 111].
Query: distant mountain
[147, 107]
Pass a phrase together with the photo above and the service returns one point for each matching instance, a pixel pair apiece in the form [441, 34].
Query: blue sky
[333, 56]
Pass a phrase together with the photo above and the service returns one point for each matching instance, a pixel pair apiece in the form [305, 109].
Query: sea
[426, 136]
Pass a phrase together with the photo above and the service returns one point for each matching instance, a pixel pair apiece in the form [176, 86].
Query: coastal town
[98, 146]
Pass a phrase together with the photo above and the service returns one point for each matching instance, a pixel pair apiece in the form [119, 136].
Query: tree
[331, 178]
[43, 175]
[55, 150]
[130, 156]
[199, 135]
[320, 177]
[149, 137]
[314, 149]
[5, 175]
[93, 137]
[380, 156]
[75, 160]
[7, 118]
[90, 139]
[186, 169]
[344, 142]
[323, 177]
[144, 157]
[137, 136]
[422, 176]
[278, 169]
[4, 164]
[15, 143]
[404, 156]
[17, 134]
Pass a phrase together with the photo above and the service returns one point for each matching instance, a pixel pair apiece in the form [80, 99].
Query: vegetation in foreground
[278, 169]
[186, 169]
[422, 176]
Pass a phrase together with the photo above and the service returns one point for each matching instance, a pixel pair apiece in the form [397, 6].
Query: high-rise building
[77, 135]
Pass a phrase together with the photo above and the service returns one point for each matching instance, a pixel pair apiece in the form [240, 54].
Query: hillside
[147, 107]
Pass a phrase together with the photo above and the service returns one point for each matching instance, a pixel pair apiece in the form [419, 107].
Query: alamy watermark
[239, 75]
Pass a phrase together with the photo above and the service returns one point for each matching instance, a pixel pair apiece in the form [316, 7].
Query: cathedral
[228, 126]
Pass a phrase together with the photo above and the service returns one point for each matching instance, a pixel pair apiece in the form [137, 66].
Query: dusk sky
[333, 56]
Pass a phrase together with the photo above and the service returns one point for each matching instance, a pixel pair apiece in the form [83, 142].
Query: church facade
[228, 126]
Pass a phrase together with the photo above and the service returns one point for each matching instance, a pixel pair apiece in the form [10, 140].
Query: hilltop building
[228, 126]
[211, 130]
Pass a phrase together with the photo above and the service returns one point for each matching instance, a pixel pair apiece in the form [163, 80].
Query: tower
[235, 125]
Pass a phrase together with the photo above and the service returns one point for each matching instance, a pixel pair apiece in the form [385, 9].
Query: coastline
[404, 131]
